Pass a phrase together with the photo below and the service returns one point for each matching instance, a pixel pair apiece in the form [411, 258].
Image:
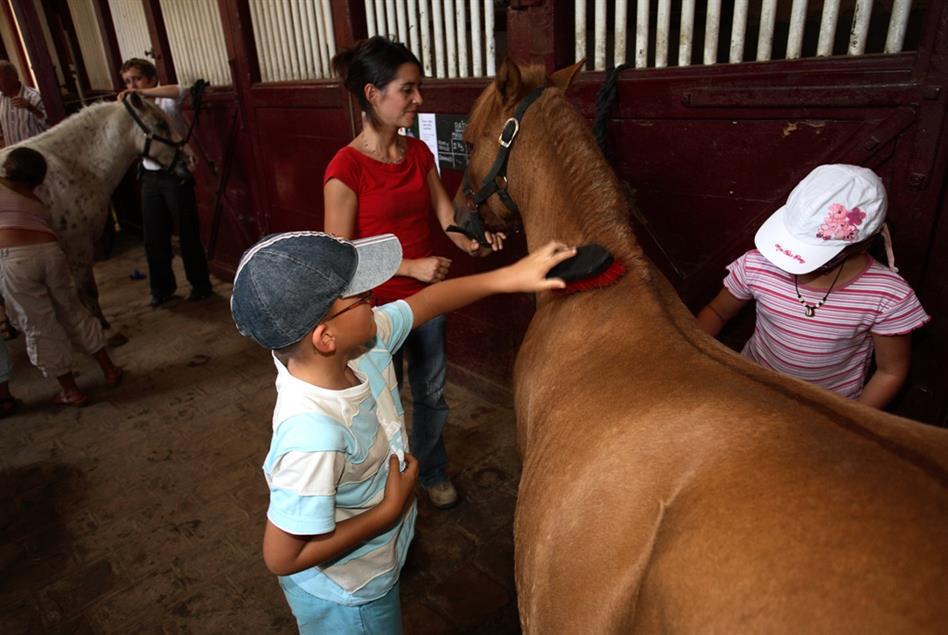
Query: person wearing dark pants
[168, 200]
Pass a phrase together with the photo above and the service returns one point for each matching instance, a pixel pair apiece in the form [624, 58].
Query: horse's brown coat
[669, 484]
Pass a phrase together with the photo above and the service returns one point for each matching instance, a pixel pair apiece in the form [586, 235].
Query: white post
[828, 21]
[641, 35]
[738, 32]
[662, 26]
[897, 23]
[795, 37]
[401, 21]
[599, 55]
[450, 34]
[370, 18]
[579, 17]
[765, 38]
[857, 37]
[423, 17]
[686, 34]
[622, 23]
[462, 37]
[490, 45]
[711, 29]
[476, 39]
[438, 19]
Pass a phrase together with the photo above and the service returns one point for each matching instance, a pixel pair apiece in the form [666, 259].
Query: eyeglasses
[362, 298]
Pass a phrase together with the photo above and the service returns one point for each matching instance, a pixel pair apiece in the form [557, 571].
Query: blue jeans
[427, 366]
[315, 616]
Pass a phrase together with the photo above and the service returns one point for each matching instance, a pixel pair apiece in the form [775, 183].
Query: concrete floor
[143, 512]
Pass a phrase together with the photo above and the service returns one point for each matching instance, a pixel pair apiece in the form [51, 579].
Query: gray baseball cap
[286, 283]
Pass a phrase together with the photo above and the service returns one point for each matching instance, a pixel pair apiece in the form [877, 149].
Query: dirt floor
[143, 512]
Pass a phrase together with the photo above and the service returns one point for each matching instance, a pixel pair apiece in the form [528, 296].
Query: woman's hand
[496, 240]
[428, 270]
[473, 247]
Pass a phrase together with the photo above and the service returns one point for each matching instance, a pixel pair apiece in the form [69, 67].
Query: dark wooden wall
[707, 152]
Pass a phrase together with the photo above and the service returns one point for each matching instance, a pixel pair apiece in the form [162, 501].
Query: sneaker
[443, 495]
[157, 300]
[197, 295]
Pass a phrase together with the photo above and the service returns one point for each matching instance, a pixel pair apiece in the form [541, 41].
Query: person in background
[824, 305]
[35, 280]
[168, 201]
[384, 182]
[22, 113]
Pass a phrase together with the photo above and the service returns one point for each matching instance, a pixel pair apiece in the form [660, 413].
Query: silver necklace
[809, 310]
[378, 155]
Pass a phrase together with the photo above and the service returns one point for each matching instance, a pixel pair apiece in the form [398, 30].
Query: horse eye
[470, 146]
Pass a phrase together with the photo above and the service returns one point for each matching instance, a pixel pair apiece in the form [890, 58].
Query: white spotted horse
[87, 154]
[669, 484]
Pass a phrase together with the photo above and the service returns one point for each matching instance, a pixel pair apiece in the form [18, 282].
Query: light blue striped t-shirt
[328, 461]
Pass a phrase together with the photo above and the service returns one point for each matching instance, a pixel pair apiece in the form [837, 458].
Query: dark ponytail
[373, 61]
[25, 165]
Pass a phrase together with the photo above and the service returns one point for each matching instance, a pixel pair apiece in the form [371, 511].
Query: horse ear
[508, 81]
[564, 77]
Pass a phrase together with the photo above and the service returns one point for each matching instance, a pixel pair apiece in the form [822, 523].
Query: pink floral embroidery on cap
[841, 223]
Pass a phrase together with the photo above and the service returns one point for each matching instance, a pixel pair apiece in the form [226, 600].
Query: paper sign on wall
[444, 136]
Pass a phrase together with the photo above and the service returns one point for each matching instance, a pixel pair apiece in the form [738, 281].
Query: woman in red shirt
[384, 182]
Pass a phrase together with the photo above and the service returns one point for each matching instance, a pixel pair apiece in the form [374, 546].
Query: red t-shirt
[393, 198]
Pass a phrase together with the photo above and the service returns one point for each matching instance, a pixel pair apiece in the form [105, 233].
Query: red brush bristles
[615, 271]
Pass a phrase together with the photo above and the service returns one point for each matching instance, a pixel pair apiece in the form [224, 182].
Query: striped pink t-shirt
[834, 347]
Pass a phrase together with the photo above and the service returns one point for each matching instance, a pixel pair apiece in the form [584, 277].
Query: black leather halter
[197, 91]
[495, 182]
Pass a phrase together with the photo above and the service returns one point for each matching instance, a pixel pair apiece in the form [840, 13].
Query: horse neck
[98, 142]
[565, 189]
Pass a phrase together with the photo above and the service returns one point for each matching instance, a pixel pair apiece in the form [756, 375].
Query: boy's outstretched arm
[285, 553]
[525, 275]
[719, 311]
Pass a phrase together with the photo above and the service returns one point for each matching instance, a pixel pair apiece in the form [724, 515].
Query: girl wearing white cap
[824, 305]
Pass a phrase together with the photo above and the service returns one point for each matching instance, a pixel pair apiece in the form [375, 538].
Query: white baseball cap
[833, 207]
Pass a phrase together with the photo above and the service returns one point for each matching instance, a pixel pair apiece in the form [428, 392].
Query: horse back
[668, 484]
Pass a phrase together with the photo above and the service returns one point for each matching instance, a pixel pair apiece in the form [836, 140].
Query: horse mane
[87, 118]
[595, 190]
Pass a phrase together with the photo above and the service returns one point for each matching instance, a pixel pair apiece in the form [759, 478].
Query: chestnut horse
[669, 484]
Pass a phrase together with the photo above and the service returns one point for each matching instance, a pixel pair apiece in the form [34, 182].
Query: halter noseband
[473, 226]
[197, 91]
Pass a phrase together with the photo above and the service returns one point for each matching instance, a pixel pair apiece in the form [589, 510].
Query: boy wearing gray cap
[342, 510]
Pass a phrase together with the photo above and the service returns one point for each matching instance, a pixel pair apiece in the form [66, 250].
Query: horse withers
[669, 484]
[87, 155]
